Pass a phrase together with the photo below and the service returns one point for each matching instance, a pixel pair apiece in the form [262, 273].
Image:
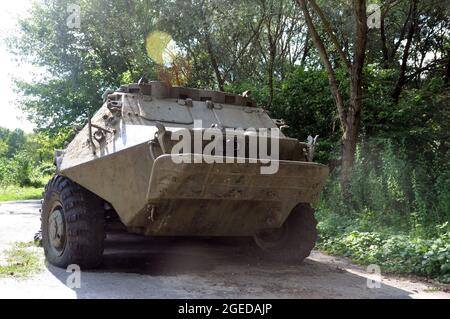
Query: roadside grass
[22, 260]
[12, 192]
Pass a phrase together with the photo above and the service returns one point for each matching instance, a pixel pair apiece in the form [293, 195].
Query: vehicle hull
[203, 197]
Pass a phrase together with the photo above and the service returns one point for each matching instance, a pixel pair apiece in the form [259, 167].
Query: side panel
[120, 178]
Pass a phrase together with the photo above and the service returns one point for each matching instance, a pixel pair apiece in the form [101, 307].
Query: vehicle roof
[163, 90]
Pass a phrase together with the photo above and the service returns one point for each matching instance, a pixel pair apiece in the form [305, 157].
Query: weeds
[22, 260]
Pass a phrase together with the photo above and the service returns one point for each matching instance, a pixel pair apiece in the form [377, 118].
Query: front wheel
[294, 241]
[72, 224]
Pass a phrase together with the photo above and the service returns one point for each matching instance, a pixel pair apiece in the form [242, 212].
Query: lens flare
[160, 47]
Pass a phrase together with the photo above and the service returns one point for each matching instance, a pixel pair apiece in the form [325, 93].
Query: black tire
[72, 222]
[294, 241]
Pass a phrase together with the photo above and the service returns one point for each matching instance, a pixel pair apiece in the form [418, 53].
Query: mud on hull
[189, 199]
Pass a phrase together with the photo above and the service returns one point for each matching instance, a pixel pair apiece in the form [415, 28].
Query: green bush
[397, 201]
[26, 159]
[398, 254]
[17, 170]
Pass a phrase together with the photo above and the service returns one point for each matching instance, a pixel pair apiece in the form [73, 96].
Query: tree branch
[411, 30]
[210, 49]
[330, 32]
[326, 63]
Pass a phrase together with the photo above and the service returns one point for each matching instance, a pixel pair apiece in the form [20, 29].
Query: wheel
[72, 224]
[294, 241]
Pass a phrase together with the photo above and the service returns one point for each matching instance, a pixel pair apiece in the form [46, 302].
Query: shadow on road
[173, 256]
[140, 267]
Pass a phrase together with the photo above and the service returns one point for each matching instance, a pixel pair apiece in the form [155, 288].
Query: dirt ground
[138, 267]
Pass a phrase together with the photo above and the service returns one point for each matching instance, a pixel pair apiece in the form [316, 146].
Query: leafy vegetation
[378, 99]
[399, 218]
[26, 162]
[395, 253]
[22, 260]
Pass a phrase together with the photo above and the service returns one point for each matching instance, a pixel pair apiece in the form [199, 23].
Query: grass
[11, 193]
[22, 260]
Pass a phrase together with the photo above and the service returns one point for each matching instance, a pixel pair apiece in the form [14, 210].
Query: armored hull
[125, 158]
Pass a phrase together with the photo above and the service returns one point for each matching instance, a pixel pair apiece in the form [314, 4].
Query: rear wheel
[294, 241]
[72, 223]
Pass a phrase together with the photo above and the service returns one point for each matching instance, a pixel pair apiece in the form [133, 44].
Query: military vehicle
[120, 169]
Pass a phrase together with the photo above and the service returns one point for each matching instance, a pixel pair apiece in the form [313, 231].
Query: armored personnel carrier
[122, 168]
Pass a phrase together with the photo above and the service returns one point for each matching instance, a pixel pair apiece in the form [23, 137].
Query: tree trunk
[315, 38]
[305, 51]
[350, 117]
[350, 137]
[272, 56]
[214, 64]
[384, 47]
[353, 120]
[447, 69]
[402, 76]
[348, 141]
[209, 47]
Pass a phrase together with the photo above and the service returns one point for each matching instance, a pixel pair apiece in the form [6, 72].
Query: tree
[79, 64]
[3, 148]
[349, 112]
[278, 41]
[411, 27]
[16, 141]
[222, 31]
[412, 40]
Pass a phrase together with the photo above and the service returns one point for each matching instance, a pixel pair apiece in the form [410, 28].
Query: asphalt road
[138, 267]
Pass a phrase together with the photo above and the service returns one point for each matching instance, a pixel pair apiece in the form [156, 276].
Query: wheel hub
[271, 238]
[57, 230]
